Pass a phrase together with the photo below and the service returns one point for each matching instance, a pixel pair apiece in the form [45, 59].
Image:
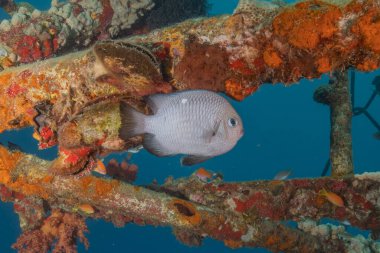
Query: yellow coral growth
[307, 23]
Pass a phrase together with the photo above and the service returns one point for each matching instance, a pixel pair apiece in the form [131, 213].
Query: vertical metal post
[340, 135]
[337, 96]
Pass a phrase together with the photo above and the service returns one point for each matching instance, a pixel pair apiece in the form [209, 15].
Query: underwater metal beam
[290, 199]
[30, 34]
[261, 42]
[120, 202]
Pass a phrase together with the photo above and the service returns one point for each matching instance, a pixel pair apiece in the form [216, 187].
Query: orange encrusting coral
[305, 25]
[88, 185]
[303, 40]
[233, 244]
[4, 78]
[23, 186]
[85, 183]
[271, 240]
[8, 162]
[19, 91]
[324, 65]
[368, 27]
[215, 217]
[271, 58]
[241, 67]
[97, 187]
[368, 65]
[47, 179]
[282, 245]
[237, 90]
[102, 188]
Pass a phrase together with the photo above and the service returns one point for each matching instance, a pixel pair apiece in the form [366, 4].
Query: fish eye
[232, 122]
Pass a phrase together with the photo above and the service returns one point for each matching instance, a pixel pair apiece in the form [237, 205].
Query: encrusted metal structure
[70, 101]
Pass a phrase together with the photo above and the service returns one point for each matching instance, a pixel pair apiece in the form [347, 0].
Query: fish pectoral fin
[151, 144]
[193, 159]
[211, 133]
[208, 135]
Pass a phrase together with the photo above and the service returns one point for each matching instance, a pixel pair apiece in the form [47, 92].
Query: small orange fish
[94, 15]
[52, 31]
[86, 208]
[36, 136]
[6, 62]
[282, 175]
[203, 174]
[332, 198]
[101, 168]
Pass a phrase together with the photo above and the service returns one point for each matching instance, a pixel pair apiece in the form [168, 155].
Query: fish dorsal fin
[193, 159]
[153, 146]
[157, 101]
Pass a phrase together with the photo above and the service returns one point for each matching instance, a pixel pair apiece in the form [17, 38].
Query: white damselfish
[200, 124]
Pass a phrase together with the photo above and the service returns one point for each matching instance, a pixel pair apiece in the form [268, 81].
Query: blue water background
[284, 129]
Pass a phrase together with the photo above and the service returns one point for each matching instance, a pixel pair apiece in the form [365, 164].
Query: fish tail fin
[132, 122]
[323, 192]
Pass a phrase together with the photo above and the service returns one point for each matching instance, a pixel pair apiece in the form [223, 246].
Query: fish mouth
[241, 132]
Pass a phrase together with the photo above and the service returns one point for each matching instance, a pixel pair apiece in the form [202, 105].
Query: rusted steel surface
[27, 176]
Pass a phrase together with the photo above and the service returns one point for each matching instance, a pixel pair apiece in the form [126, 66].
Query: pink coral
[60, 228]
[123, 171]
